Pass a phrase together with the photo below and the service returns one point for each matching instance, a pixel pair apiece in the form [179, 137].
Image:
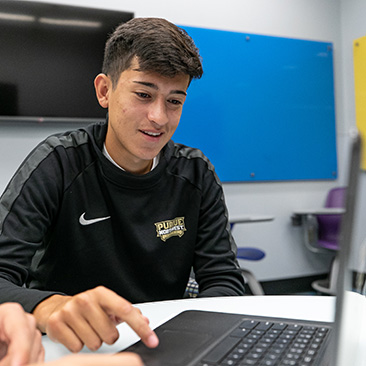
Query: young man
[117, 213]
[20, 344]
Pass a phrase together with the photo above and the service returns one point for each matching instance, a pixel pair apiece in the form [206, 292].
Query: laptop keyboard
[268, 343]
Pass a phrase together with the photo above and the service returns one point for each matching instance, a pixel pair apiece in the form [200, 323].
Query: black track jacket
[70, 220]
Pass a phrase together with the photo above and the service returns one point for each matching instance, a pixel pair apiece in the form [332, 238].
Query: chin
[151, 154]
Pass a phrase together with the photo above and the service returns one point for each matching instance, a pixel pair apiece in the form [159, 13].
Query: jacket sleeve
[27, 208]
[216, 268]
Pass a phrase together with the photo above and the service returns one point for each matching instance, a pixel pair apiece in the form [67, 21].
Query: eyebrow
[154, 86]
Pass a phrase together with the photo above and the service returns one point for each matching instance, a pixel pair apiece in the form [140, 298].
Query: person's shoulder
[72, 137]
[184, 151]
[67, 143]
[190, 162]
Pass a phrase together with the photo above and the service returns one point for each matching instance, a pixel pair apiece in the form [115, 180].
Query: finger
[127, 359]
[122, 359]
[17, 357]
[84, 315]
[22, 338]
[123, 310]
[117, 320]
[85, 332]
[74, 323]
[59, 331]
[37, 351]
[103, 325]
[140, 325]
[41, 355]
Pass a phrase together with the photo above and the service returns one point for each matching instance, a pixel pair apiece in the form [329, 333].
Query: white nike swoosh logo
[84, 221]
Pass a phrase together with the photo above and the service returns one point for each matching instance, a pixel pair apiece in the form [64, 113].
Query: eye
[142, 95]
[175, 101]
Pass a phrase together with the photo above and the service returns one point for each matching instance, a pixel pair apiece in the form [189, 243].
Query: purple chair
[251, 254]
[328, 230]
[329, 225]
[245, 253]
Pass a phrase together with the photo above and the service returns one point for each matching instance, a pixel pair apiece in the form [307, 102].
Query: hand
[90, 318]
[20, 341]
[121, 359]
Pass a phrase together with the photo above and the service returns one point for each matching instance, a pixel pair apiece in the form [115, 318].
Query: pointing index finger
[122, 310]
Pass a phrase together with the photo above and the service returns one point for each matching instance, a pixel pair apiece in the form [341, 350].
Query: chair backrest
[329, 225]
[336, 197]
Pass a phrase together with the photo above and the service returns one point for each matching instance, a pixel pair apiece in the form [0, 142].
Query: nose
[158, 113]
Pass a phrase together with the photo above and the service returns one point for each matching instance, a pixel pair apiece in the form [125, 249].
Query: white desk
[320, 308]
[239, 219]
[320, 211]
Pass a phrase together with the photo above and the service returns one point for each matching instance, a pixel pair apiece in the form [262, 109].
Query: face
[144, 111]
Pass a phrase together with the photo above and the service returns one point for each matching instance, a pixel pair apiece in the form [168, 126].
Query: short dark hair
[159, 46]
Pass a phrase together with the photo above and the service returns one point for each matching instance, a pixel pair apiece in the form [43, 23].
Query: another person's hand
[90, 318]
[121, 359]
[20, 340]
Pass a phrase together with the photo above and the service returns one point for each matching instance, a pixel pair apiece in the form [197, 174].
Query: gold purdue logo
[168, 228]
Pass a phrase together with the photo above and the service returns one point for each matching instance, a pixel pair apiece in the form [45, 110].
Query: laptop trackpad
[176, 347]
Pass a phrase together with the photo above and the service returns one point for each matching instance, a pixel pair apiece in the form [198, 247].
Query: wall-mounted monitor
[50, 55]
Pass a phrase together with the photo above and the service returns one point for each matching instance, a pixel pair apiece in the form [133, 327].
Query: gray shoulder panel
[194, 153]
[41, 152]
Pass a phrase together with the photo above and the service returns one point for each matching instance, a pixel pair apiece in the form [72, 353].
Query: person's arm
[121, 359]
[216, 267]
[20, 341]
[27, 208]
[90, 318]
[21, 344]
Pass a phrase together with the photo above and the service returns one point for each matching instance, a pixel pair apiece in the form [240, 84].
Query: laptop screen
[350, 306]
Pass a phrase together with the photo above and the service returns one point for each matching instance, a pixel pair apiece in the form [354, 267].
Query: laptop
[205, 338]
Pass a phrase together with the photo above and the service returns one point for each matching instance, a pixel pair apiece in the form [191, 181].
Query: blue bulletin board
[264, 108]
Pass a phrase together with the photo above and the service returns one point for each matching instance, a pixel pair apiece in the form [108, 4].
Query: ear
[102, 85]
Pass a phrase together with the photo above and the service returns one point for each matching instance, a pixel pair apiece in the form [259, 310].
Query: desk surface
[320, 211]
[238, 219]
[320, 308]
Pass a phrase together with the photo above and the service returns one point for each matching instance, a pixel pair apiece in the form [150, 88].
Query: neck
[143, 168]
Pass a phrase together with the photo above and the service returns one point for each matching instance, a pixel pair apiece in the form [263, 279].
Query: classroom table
[241, 219]
[320, 308]
[319, 211]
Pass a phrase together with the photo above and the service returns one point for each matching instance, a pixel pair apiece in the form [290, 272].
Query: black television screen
[49, 57]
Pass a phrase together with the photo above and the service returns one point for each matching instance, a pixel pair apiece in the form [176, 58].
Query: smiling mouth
[152, 134]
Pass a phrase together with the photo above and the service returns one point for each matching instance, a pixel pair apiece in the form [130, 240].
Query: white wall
[323, 20]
